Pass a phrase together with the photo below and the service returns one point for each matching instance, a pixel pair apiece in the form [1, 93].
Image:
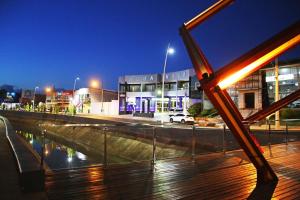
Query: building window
[134, 88]
[183, 85]
[149, 87]
[249, 100]
[122, 88]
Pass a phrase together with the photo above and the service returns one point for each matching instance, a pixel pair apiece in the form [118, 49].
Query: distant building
[91, 100]
[142, 93]
[26, 96]
[58, 99]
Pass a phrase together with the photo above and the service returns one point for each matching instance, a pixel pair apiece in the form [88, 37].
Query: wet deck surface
[213, 176]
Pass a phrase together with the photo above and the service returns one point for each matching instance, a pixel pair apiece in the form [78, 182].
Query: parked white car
[182, 118]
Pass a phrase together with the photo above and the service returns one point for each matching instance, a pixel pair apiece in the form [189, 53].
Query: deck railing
[155, 143]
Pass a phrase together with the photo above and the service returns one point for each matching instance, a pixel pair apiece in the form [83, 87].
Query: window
[249, 100]
[149, 87]
[122, 88]
[134, 88]
[183, 85]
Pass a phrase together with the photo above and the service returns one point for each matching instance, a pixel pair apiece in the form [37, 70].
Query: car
[182, 118]
[173, 112]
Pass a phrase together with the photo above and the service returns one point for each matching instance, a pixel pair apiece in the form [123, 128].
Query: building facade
[257, 91]
[58, 100]
[28, 96]
[143, 93]
[92, 100]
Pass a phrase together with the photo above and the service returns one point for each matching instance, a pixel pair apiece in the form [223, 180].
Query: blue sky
[51, 42]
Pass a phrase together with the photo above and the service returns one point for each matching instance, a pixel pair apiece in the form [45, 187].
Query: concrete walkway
[155, 121]
[9, 177]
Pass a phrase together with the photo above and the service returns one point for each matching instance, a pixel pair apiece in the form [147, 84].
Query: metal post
[102, 97]
[277, 116]
[153, 146]
[73, 96]
[286, 133]
[223, 139]
[193, 142]
[34, 97]
[105, 146]
[163, 81]
[43, 149]
[269, 134]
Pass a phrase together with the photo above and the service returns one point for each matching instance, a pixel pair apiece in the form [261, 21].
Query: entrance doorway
[249, 100]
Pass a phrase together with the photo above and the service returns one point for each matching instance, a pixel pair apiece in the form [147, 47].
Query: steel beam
[207, 13]
[259, 56]
[215, 91]
[274, 107]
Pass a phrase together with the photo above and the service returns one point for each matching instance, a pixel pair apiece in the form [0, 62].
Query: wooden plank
[209, 177]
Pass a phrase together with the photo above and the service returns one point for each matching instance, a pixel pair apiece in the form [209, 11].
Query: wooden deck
[213, 176]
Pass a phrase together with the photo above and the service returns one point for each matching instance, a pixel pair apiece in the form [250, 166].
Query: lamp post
[76, 79]
[169, 51]
[48, 91]
[277, 97]
[34, 97]
[101, 96]
[96, 84]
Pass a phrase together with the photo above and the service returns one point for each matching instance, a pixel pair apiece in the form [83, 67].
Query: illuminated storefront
[142, 93]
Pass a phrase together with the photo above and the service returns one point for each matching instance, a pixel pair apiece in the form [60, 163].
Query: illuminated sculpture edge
[214, 84]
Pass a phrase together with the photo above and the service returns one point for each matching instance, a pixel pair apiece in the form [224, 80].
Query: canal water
[58, 155]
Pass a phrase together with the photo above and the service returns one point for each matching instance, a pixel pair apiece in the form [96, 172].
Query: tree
[195, 109]
[2, 94]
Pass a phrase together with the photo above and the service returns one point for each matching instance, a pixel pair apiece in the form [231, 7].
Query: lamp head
[171, 50]
[94, 83]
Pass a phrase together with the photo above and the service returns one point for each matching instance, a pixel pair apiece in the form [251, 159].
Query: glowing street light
[170, 51]
[94, 83]
[48, 89]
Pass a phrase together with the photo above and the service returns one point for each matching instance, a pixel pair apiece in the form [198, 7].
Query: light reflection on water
[58, 156]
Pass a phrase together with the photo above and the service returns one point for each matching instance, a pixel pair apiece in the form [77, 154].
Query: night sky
[51, 42]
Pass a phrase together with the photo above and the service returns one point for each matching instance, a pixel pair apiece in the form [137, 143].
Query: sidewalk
[9, 177]
[132, 119]
[125, 118]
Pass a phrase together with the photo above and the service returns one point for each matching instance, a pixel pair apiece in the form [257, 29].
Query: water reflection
[58, 156]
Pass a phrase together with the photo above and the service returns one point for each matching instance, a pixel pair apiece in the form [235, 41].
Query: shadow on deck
[213, 176]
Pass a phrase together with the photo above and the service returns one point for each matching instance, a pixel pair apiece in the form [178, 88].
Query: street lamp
[34, 96]
[48, 89]
[74, 87]
[96, 84]
[170, 51]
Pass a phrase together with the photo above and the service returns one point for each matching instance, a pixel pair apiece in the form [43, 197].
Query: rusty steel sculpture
[214, 84]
